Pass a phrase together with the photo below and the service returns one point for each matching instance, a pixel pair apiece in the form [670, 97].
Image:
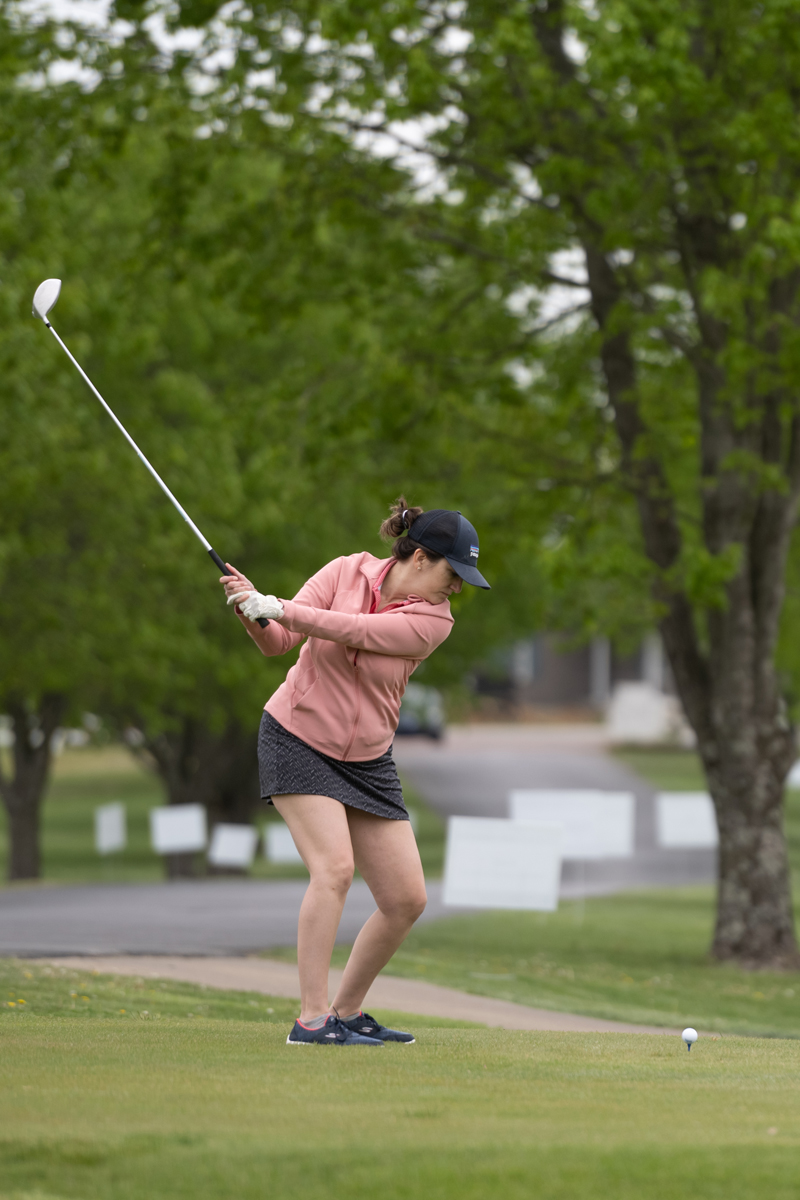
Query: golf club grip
[262, 621]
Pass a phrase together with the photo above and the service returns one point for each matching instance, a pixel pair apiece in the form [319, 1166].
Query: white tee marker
[690, 1037]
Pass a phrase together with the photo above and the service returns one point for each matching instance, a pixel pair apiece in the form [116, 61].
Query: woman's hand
[257, 606]
[236, 585]
[241, 593]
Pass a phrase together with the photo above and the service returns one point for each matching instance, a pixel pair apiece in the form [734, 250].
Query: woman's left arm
[403, 633]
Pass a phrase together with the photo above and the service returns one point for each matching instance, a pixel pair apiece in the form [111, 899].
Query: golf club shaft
[206, 544]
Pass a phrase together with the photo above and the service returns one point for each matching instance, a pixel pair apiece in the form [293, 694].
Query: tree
[657, 145]
[245, 319]
[84, 532]
[50, 488]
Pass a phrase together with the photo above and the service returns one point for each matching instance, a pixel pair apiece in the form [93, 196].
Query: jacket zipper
[357, 717]
[357, 674]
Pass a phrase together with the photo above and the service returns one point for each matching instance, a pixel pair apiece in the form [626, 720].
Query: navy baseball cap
[448, 533]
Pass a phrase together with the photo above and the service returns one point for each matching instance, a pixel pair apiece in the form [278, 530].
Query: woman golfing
[324, 747]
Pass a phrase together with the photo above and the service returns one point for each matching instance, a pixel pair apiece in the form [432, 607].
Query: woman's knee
[334, 873]
[407, 907]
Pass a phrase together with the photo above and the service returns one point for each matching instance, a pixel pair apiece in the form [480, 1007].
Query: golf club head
[46, 295]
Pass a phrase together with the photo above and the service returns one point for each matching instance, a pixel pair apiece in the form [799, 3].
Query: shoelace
[366, 1019]
[338, 1028]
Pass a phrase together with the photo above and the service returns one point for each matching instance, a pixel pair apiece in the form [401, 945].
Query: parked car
[421, 712]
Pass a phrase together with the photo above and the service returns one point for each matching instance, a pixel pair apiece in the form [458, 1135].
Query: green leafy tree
[93, 560]
[51, 484]
[655, 144]
[266, 342]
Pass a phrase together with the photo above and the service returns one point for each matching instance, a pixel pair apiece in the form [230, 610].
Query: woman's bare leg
[386, 855]
[321, 833]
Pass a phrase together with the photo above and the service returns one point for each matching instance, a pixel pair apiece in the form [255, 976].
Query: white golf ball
[690, 1037]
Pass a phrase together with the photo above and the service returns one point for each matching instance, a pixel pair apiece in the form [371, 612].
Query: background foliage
[296, 325]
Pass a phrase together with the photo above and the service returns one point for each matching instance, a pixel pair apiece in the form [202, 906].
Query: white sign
[279, 844]
[110, 832]
[233, 845]
[686, 820]
[640, 713]
[596, 824]
[493, 863]
[178, 828]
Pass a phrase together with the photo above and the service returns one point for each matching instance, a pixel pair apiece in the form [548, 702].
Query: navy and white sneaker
[367, 1026]
[333, 1033]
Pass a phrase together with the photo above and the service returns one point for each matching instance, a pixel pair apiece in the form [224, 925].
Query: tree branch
[562, 281]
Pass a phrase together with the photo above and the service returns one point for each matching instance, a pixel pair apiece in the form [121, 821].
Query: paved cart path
[208, 916]
[274, 978]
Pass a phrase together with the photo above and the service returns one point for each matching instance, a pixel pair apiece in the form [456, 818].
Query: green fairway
[153, 1103]
[638, 957]
[29, 989]
[667, 769]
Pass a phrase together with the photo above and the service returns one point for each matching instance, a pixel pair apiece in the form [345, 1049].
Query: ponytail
[395, 526]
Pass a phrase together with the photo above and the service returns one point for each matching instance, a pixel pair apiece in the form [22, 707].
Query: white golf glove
[254, 605]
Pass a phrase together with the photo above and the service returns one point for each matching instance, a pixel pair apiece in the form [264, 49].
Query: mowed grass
[116, 1106]
[28, 988]
[670, 770]
[635, 957]
[640, 957]
[84, 778]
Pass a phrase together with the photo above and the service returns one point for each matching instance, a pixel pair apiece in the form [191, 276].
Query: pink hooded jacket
[343, 694]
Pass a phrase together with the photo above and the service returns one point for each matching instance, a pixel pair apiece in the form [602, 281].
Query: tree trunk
[718, 581]
[217, 770]
[726, 680]
[755, 925]
[22, 794]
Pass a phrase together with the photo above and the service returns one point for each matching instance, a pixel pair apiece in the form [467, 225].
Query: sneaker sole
[290, 1042]
[396, 1042]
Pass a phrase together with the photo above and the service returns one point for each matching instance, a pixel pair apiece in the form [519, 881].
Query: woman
[324, 747]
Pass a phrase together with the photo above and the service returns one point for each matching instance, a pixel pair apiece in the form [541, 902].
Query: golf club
[44, 300]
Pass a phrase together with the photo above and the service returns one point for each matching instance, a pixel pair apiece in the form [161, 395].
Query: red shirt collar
[377, 583]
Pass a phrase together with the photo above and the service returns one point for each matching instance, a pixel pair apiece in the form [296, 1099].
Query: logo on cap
[473, 551]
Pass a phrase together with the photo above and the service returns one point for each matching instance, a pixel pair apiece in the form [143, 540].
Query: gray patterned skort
[288, 765]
